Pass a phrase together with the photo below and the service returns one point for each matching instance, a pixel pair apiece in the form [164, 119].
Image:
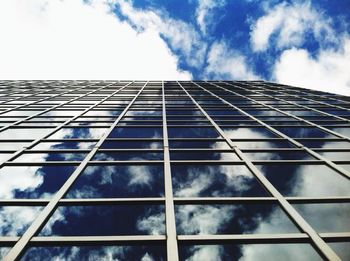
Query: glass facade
[154, 170]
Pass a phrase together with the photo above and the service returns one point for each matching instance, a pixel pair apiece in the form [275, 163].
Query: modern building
[136, 170]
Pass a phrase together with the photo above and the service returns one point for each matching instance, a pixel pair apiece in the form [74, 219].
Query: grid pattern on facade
[173, 170]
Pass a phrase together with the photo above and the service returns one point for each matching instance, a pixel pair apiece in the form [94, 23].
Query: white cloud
[14, 220]
[202, 219]
[44, 39]
[226, 63]
[140, 176]
[291, 23]
[328, 71]
[181, 36]
[209, 253]
[14, 179]
[147, 257]
[153, 224]
[204, 15]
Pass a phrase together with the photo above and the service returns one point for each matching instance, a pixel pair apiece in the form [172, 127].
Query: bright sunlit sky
[301, 43]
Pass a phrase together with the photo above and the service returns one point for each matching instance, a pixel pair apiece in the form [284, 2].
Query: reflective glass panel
[40, 157]
[151, 252]
[248, 133]
[106, 220]
[214, 180]
[64, 145]
[14, 220]
[79, 133]
[32, 182]
[232, 219]
[22, 133]
[121, 144]
[325, 217]
[140, 132]
[128, 155]
[306, 180]
[263, 252]
[203, 155]
[341, 249]
[119, 181]
[192, 132]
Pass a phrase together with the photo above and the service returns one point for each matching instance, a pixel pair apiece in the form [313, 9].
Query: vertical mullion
[331, 164]
[296, 217]
[45, 214]
[172, 249]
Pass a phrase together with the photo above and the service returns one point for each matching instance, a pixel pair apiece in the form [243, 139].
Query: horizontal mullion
[244, 238]
[177, 200]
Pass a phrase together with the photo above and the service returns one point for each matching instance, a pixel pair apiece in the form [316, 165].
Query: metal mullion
[245, 238]
[172, 249]
[289, 209]
[35, 142]
[283, 112]
[331, 164]
[43, 99]
[82, 201]
[49, 109]
[194, 239]
[86, 240]
[44, 215]
[304, 106]
[177, 200]
[262, 200]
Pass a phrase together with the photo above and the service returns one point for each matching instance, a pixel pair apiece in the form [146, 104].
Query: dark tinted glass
[232, 219]
[106, 220]
[32, 182]
[119, 181]
[152, 252]
[264, 252]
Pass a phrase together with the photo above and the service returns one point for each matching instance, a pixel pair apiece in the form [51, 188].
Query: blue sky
[302, 43]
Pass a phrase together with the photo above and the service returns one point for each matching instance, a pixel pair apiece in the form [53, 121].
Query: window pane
[128, 155]
[248, 133]
[193, 132]
[199, 144]
[326, 217]
[106, 220]
[120, 144]
[121, 132]
[41, 157]
[306, 180]
[22, 133]
[203, 155]
[64, 145]
[152, 252]
[119, 181]
[232, 219]
[15, 220]
[32, 182]
[263, 252]
[341, 249]
[214, 180]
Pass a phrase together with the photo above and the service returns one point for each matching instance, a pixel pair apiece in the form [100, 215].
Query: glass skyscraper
[152, 170]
